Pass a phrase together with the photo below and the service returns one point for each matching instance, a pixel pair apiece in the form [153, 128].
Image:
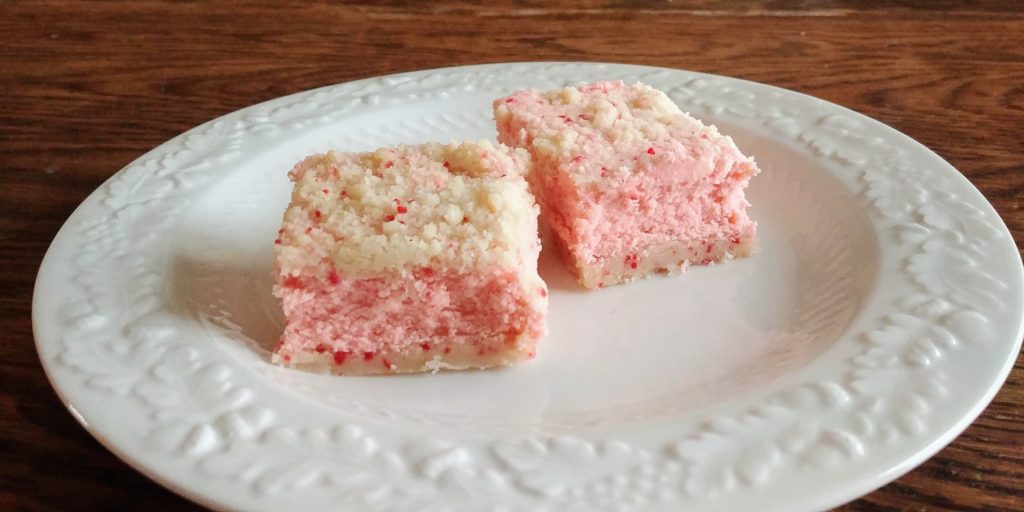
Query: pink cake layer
[426, 321]
[628, 183]
[407, 259]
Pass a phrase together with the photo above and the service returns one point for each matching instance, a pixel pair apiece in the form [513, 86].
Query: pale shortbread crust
[453, 354]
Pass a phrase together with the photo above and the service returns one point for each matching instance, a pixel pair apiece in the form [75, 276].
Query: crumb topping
[408, 208]
[608, 130]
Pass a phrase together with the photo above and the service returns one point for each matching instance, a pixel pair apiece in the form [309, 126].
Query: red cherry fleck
[425, 347]
[650, 151]
[343, 194]
[280, 231]
[584, 117]
[576, 159]
[309, 230]
[530, 354]
[277, 241]
[735, 240]
[631, 260]
[447, 165]
[368, 356]
[427, 271]
[510, 100]
[317, 214]
[402, 209]
[387, 364]
[543, 292]
[703, 135]
[292, 282]
[388, 164]
[339, 357]
[333, 277]
[389, 218]
[604, 172]
[465, 219]
[321, 348]
[634, 197]
[326, 191]
[447, 350]
[600, 285]
[287, 357]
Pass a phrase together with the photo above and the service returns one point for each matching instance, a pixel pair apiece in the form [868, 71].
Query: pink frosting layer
[390, 314]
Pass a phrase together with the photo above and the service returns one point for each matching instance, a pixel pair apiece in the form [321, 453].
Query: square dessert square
[410, 258]
[628, 183]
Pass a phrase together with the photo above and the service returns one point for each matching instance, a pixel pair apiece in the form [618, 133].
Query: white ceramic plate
[880, 317]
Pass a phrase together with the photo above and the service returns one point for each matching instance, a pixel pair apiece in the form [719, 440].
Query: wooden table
[86, 87]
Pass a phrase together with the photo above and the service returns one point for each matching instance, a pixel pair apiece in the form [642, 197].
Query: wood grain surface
[86, 87]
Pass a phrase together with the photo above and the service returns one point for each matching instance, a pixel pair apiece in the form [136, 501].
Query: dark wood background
[86, 87]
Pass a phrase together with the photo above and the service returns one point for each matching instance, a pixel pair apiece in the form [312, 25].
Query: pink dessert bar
[410, 259]
[629, 184]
